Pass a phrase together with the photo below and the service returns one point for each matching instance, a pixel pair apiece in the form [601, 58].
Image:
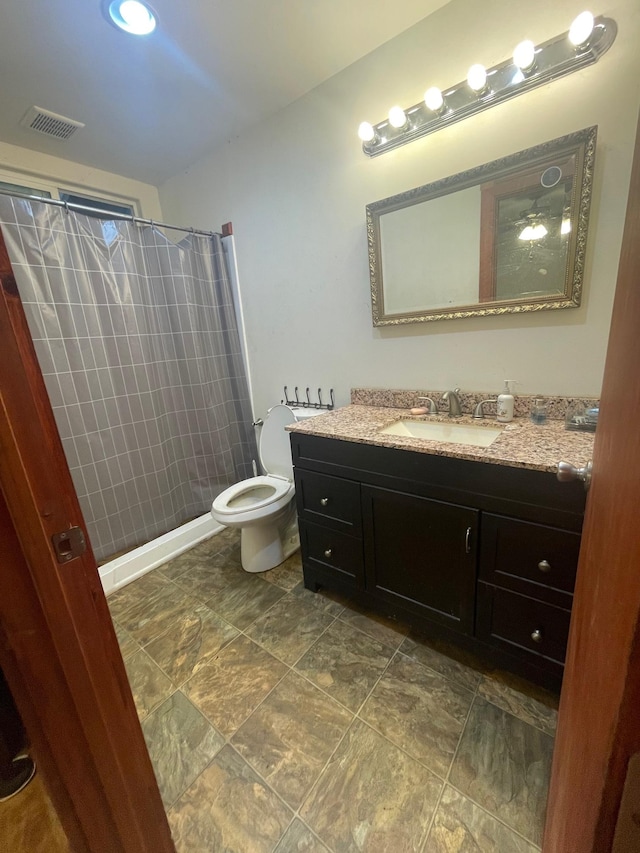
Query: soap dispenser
[505, 402]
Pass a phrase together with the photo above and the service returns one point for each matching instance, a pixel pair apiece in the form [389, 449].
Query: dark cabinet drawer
[533, 559]
[516, 622]
[329, 549]
[330, 501]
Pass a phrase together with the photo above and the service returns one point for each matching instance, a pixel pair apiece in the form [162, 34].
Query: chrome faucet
[451, 397]
[478, 412]
[433, 409]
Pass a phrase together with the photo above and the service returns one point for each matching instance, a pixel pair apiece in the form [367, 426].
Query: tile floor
[279, 720]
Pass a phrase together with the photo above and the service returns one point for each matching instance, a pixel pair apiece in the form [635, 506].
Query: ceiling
[154, 105]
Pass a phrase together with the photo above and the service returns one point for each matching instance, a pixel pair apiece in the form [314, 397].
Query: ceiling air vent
[51, 124]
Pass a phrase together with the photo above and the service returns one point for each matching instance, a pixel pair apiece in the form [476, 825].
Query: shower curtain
[138, 342]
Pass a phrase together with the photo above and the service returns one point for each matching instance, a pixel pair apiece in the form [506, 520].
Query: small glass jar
[539, 410]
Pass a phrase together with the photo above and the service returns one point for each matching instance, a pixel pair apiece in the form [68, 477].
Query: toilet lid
[275, 445]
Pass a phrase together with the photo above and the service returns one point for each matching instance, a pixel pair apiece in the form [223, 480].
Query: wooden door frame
[598, 724]
[58, 646]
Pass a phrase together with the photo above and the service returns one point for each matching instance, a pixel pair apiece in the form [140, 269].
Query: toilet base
[262, 548]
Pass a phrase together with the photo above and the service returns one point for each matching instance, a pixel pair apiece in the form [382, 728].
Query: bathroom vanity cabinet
[483, 555]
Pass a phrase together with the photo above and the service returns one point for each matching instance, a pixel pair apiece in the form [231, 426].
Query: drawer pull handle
[328, 553]
[544, 566]
[324, 501]
[467, 541]
[536, 636]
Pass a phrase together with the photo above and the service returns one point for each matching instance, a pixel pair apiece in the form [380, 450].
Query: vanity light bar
[552, 59]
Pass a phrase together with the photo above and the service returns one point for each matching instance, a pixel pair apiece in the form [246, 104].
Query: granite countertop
[523, 444]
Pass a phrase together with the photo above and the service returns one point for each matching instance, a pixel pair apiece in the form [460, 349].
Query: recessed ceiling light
[132, 16]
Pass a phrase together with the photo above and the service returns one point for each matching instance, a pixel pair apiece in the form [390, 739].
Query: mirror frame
[581, 143]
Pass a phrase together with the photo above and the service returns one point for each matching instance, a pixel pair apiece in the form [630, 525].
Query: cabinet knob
[536, 636]
[328, 553]
[324, 501]
[544, 566]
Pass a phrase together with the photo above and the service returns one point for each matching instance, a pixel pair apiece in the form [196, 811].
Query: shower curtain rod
[83, 208]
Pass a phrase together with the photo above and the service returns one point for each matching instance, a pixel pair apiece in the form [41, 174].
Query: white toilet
[264, 507]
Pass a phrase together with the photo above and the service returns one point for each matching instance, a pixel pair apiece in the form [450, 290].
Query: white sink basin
[478, 436]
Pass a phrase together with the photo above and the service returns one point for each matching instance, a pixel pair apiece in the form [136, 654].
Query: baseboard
[121, 571]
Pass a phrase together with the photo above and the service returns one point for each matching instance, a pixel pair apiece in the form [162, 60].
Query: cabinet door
[421, 554]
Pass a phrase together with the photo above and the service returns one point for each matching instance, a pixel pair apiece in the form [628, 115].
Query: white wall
[69, 175]
[296, 187]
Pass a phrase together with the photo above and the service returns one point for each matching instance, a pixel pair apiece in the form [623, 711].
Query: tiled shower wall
[138, 344]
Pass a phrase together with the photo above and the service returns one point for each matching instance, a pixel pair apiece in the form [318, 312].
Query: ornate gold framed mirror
[506, 237]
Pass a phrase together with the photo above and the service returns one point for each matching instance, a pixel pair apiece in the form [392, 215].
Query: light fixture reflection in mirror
[533, 232]
[505, 237]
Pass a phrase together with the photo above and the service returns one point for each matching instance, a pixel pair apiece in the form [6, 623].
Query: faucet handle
[478, 412]
[433, 409]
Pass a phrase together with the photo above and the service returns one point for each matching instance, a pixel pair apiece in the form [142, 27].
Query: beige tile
[149, 685]
[291, 735]
[245, 600]
[229, 688]
[372, 797]
[419, 648]
[150, 618]
[228, 809]
[181, 743]
[419, 710]
[345, 663]
[462, 827]
[204, 580]
[503, 765]
[126, 642]
[136, 593]
[386, 631]
[288, 574]
[190, 643]
[179, 565]
[520, 704]
[299, 839]
[289, 628]
[326, 600]
[226, 538]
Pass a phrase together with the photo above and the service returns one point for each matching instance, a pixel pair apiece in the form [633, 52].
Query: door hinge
[69, 544]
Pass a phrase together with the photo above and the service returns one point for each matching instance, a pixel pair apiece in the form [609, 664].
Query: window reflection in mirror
[506, 237]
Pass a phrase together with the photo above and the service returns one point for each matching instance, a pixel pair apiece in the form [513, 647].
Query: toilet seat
[236, 502]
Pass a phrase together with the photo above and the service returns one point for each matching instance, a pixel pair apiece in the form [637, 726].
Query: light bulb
[533, 232]
[581, 29]
[477, 78]
[565, 228]
[397, 117]
[132, 16]
[524, 56]
[433, 99]
[366, 131]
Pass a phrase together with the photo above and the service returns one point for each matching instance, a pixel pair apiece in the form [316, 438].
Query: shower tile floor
[279, 720]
